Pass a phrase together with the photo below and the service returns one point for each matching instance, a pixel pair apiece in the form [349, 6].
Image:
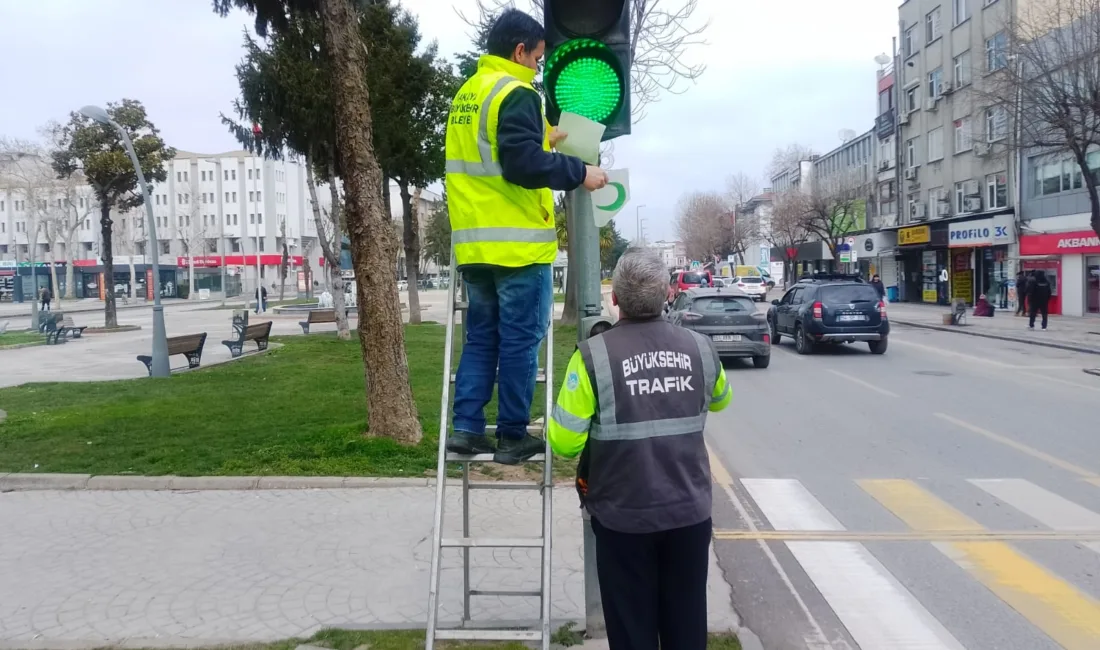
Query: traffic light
[587, 67]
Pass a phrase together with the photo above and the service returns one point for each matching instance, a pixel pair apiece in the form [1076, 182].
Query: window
[911, 152]
[909, 41]
[234, 197]
[179, 177]
[935, 83]
[932, 25]
[257, 173]
[251, 196]
[202, 175]
[227, 197]
[184, 177]
[252, 217]
[236, 245]
[164, 247]
[996, 123]
[227, 220]
[259, 196]
[1, 206]
[204, 197]
[249, 173]
[259, 217]
[962, 12]
[87, 224]
[1060, 172]
[962, 69]
[996, 190]
[935, 195]
[935, 144]
[962, 135]
[157, 199]
[995, 55]
[960, 197]
[261, 244]
[226, 172]
[234, 171]
[179, 199]
[235, 221]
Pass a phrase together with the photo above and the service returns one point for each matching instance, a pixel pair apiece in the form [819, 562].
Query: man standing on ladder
[501, 171]
[635, 400]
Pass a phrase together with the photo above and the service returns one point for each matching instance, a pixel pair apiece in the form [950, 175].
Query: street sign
[845, 257]
[695, 265]
[609, 201]
[851, 240]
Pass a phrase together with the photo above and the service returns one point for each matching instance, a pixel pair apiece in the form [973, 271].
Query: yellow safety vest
[493, 221]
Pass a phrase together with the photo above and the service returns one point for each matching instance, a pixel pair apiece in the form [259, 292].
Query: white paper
[584, 137]
[609, 201]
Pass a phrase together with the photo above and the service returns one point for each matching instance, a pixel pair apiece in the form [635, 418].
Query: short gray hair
[640, 284]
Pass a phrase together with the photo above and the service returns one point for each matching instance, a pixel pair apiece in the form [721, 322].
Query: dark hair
[511, 28]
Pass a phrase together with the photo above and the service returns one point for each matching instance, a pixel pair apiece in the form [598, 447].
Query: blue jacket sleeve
[520, 128]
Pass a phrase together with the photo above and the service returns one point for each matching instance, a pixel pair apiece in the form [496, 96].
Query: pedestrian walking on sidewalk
[880, 288]
[46, 298]
[634, 405]
[1021, 293]
[1038, 294]
[501, 176]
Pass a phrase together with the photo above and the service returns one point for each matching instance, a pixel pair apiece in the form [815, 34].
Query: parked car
[402, 285]
[752, 286]
[729, 318]
[830, 309]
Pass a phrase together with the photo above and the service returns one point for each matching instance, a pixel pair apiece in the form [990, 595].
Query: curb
[1087, 371]
[20, 482]
[1011, 339]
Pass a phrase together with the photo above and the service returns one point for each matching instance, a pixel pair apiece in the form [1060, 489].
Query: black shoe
[468, 444]
[514, 452]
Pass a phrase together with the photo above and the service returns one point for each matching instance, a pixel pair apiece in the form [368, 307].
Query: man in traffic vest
[635, 401]
[501, 171]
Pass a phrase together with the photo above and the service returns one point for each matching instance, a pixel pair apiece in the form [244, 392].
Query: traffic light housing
[587, 68]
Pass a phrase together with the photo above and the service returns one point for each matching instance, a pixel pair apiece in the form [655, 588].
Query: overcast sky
[778, 72]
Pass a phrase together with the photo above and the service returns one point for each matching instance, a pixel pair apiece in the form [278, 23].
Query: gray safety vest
[645, 465]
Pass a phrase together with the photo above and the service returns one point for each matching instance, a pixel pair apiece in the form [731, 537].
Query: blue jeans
[506, 322]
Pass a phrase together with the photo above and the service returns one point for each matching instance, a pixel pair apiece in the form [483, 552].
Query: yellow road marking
[1067, 615]
[1021, 447]
[906, 536]
[718, 471]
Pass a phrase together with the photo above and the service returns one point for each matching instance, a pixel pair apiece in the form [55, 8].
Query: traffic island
[112, 330]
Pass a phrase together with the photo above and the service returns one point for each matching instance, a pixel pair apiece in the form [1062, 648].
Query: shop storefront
[923, 264]
[19, 282]
[1072, 262]
[979, 260]
[208, 272]
[877, 252]
[91, 283]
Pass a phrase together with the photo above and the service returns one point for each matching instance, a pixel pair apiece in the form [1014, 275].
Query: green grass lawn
[300, 409]
[19, 338]
[414, 640]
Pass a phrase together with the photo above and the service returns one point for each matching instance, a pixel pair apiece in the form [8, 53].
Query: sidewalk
[86, 569]
[13, 310]
[1064, 332]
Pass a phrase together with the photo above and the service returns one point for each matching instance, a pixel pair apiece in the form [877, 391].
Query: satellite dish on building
[846, 135]
[882, 59]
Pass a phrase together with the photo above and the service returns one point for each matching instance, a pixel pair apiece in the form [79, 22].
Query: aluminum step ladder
[468, 630]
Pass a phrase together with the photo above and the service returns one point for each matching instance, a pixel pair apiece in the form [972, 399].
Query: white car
[753, 287]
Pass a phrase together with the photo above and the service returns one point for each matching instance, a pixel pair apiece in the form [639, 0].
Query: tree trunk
[107, 254]
[412, 248]
[133, 277]
[192, 294]
[391, 411]
[332, 257]
[70, 290]
[55, 290]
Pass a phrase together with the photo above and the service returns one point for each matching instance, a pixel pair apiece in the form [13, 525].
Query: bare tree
[77, 205]
[705, 225]
[1048, 76]
[787, 157]
[128, 235]
[26, 176]
[330, 232]
[191, 226]
[741, 188]
[836, 206]
[785, 228]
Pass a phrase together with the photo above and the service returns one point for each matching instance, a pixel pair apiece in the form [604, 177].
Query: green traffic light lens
[584, 76]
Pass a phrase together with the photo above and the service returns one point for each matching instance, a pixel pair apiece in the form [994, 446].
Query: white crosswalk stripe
[877, 609]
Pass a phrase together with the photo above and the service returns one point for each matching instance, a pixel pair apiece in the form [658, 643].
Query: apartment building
[956, 232]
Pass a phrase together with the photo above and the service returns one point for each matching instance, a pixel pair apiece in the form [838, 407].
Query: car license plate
[847, 318]
[726, 338]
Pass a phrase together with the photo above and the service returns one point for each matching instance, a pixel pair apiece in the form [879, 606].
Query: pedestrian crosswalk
[1035, 550]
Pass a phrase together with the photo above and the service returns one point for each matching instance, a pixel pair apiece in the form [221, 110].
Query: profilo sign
[981, 232]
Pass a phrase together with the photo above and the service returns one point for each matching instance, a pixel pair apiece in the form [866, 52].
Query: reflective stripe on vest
[497, 234]
[608, 428]
[487, 166]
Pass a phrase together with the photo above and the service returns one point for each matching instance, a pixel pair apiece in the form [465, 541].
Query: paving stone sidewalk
[1067, 332]
[88, 568]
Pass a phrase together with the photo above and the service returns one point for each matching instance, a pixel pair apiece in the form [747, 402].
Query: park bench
[72, 328]
[52, 325]
[260, 332]
[189, 345]
[318, 316]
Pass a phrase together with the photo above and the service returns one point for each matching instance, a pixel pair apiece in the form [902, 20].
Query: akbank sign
[983, 232]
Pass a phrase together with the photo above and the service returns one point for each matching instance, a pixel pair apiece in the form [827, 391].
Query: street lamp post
[159, 366]
[638, 222]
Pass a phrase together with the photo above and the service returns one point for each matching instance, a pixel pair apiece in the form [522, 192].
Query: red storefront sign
[1084, 241]
[214, 261]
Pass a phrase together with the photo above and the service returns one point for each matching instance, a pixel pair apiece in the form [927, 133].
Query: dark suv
[830, 308]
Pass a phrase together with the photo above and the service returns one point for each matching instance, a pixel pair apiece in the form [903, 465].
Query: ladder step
[462, 306]
[488, 635]
[492, 542]
[519, 593]
[485, 458]
[539, 378]
[500, 485]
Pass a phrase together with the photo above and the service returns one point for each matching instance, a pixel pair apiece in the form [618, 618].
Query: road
[945, 495]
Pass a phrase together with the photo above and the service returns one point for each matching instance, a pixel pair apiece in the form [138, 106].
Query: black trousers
[654, 587]
[1038, 307]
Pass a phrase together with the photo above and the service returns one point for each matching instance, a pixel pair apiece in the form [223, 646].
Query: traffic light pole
[586, 248]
